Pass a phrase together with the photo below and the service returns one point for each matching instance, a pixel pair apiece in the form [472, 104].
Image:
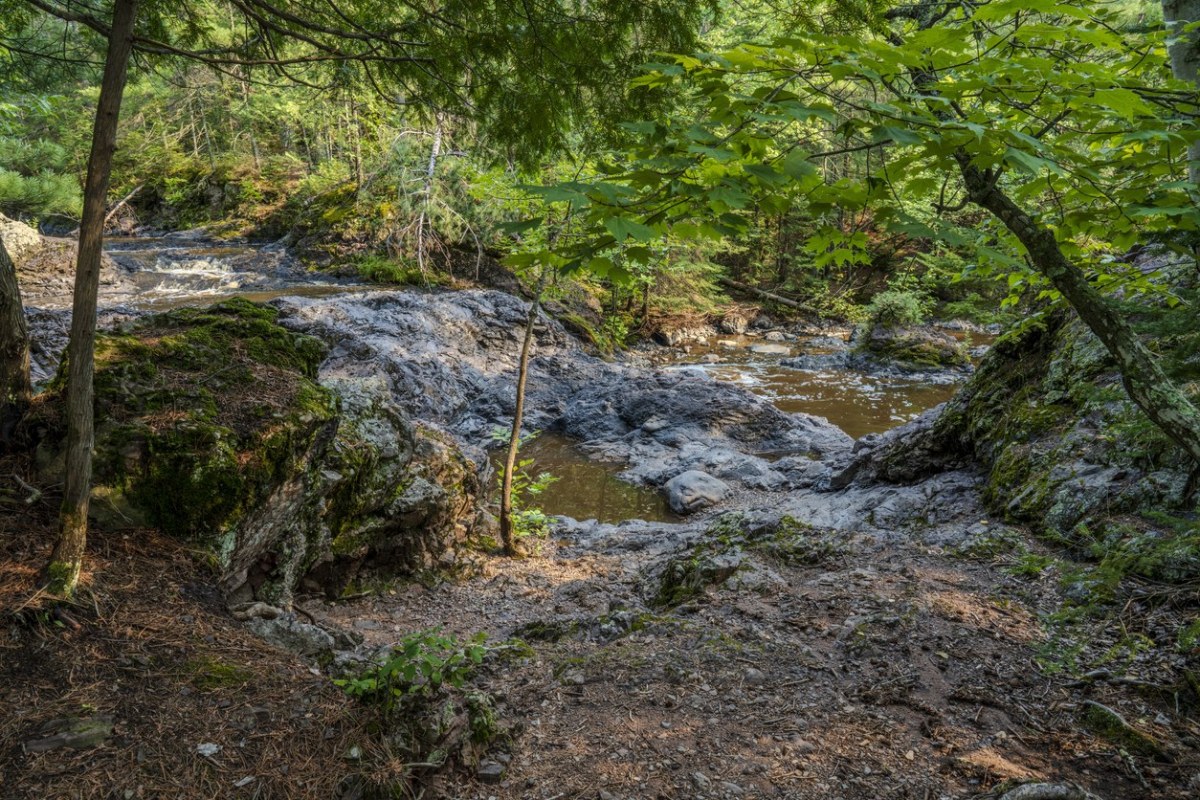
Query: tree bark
[1157, 395]
[15, 388]
[1185, 59]
[62, 572]
[507, 530]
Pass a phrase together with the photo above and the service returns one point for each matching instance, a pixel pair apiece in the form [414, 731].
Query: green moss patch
[201, 413]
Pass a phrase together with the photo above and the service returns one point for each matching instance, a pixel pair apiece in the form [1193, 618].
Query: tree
[1183, 18]
[15, 389]
[508, 536]
[525, 71]
[66, 560]
[1064, 128]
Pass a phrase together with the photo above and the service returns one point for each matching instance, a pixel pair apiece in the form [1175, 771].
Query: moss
[201, 413]
[794, 543]
[576, 324]
[208, 674]
[543, 631]
[1110, 725]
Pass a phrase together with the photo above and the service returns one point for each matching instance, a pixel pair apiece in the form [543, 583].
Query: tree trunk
[1185, 59]
[1164, 403]
[66, 561]
[15, 389]
[423, 219]
[507, 532]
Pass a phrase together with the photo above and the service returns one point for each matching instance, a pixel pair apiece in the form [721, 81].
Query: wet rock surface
[450, 360]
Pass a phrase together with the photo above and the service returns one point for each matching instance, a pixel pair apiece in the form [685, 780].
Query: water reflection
[589, 489]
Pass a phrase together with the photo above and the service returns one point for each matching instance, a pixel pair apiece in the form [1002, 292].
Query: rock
[247, 611]
[693, 491]
[1038, 415]
[208, 749]
[1048, 791]
[771, 349]
[686, 576]
[919, 349]
[449, 360]
[489, 772]
[278, 477]
[701, 781]
[762, 322]
[818, 362]
[734, 323]
[754, 677]
[46, 265]
[674, 337]
[289, 633]
[20, 240]
[76, 733]
[775, 336]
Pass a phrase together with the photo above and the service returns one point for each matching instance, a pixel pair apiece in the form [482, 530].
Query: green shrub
[381, 269]
[895, 308]
[416, 670]
[975, 308]
[529, 521]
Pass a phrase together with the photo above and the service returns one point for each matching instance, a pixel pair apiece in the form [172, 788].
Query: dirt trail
[885, 671]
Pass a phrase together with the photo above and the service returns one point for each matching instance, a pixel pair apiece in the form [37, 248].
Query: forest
[600, 399]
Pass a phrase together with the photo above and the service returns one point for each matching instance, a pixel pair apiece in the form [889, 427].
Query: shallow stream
[856, 402]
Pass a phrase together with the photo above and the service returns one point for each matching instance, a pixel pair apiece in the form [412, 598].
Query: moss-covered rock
[1061, 443]
[401, 497]
[914, 348]
[212, 426]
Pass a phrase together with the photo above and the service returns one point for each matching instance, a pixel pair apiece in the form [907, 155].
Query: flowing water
[165, 272]
[170, 271]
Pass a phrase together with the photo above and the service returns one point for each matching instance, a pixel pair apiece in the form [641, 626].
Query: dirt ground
[884, 671]
[887, 671]
[150, 649]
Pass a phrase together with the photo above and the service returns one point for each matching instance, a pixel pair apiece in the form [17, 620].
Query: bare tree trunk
[435, 152]
[1185, 59]
[356, 132]
[15, 389]
[507, 533]
[1157, 395]
[62, 572]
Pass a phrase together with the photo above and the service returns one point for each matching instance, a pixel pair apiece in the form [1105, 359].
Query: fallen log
[764, 294]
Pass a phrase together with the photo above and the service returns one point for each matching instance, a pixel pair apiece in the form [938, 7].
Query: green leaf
[622, 228]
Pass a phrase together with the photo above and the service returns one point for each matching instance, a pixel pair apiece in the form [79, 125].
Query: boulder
[693, 491]
[213, 427]
[734, 323]
[20, 240]
[916, 348]
[46, 265]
